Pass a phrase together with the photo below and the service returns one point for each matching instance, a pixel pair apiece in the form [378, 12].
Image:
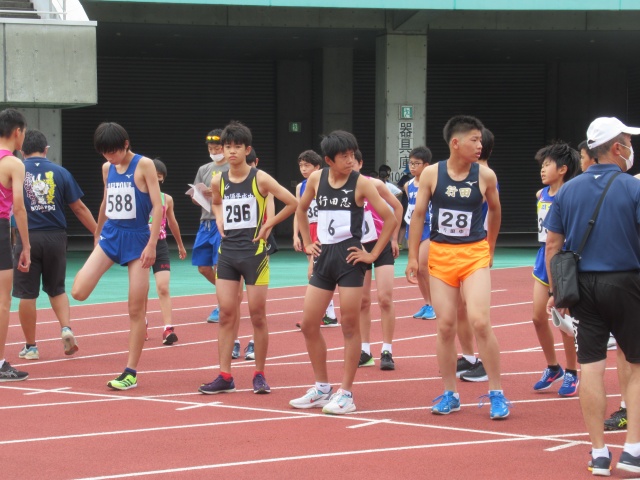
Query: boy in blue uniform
[204, 254]
[559, 164]
[340, 260]
[419, 159]
[239, 204]
[123, 236]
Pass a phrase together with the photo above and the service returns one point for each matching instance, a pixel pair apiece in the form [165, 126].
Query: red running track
[63, 422]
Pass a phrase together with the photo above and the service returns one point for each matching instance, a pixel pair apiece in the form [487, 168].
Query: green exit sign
[406, 112]
[295, 127]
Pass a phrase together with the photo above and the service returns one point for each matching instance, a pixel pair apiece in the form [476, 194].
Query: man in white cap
[609, 279]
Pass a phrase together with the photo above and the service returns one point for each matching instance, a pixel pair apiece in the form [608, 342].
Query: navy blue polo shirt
[48, 187]
[614, 243]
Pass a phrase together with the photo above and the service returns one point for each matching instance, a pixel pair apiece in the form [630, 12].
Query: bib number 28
[454, 223]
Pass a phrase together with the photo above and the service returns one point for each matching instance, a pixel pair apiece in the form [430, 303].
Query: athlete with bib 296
[340, 260]
[239, 201]
[460, 255]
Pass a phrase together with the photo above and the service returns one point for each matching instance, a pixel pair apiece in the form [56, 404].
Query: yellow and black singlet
[243, 211]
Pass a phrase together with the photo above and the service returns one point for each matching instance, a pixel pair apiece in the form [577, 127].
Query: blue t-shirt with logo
[48, 187]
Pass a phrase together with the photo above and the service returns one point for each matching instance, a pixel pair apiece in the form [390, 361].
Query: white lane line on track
[562, 447]
[52, 390]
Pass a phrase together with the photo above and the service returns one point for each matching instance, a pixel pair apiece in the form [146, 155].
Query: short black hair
[584, 145]
[487, 144]
[252, 156]
[461, 124]
[214, 136]
[310, 156]
[421, 153]
[338, 141]
[237, 133]
[161, 168]
[562, 155]
[110, 137]
[10, 119]
[34, 142]
[384, 170]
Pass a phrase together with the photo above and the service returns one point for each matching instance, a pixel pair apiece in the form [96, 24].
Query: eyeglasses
[415, 164]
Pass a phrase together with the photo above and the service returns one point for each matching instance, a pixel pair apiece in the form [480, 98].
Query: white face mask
[628, 161]
[218, 157]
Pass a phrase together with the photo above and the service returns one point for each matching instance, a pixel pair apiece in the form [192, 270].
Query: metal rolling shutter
[168, 106]
[364, 110]
[510, 101]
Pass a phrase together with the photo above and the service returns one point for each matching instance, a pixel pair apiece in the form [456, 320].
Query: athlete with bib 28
[460, 255]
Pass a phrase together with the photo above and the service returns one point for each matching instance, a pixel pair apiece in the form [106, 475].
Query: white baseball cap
[604, 129]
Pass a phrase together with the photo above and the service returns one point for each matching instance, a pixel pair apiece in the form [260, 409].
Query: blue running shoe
[448, 403]
[628, 463]
[549, 377]
[601, 466]
[219, 385]
[569, 385]
[420, 312]
[428, 313]
[260, 384]
[236, 350]
[499, 404]
[215, 316]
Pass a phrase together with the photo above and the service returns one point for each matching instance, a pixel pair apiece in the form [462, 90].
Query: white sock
[387, 347]
[346, 392]
[456, 395]
[1, 363]
[366, 348]
[623, 404]
[237, 342]
[600, 452]
[323, 387]
[632, 448]
[470, 358]
[331, 312]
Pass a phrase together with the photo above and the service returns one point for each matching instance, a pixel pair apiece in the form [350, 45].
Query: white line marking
[190, 407]
[561, 447]
[53, 390]
[368, 424]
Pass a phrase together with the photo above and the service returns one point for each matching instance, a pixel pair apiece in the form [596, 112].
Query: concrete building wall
[48, 63]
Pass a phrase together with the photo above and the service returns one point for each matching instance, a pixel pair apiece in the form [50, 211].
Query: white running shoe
[339, 404]
[312, 399]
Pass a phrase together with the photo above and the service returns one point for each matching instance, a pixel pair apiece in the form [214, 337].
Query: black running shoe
[386, 361]
[463, 366]
[366, 360]
[475, 374]
[10, 374]
[617, 420]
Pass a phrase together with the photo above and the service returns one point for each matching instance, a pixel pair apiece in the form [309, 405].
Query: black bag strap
[595, 214]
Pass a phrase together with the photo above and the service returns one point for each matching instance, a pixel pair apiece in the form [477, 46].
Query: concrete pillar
[49, 122]
[401, 81]
[337, 89]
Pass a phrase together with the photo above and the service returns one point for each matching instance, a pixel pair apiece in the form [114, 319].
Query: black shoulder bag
[564, 264]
